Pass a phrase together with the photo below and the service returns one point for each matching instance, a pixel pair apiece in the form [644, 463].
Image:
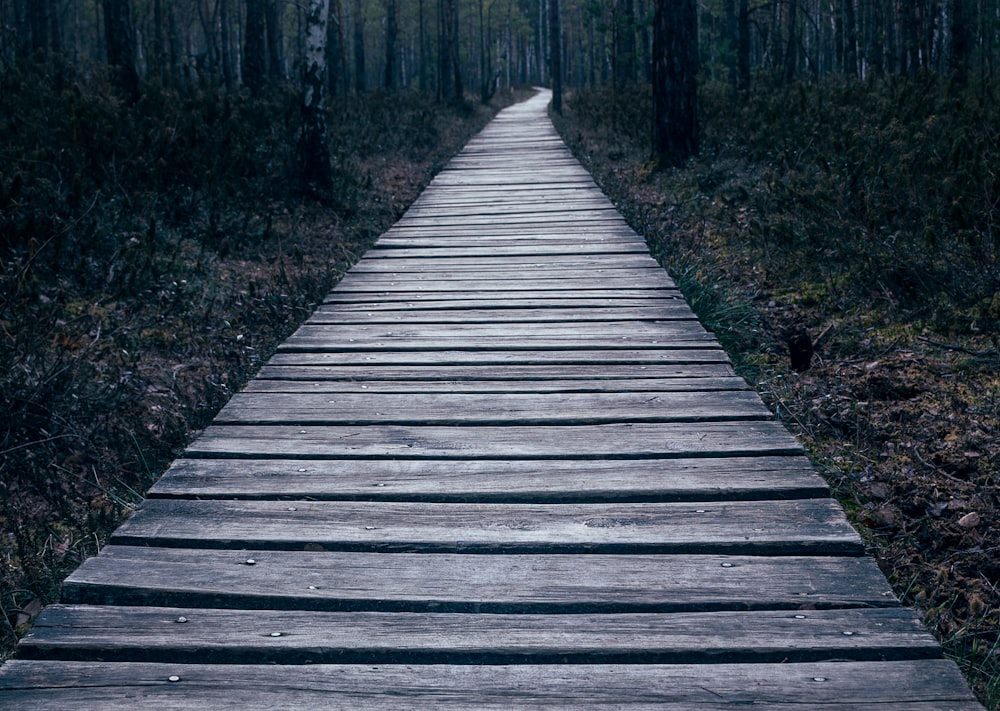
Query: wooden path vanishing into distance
[502, 466]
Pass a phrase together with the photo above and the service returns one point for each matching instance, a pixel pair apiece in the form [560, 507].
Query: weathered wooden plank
[328, 314]
[499, 357]
[307, 380]
[631, 278]
[414, 247]
[499, 299]
[360, 284]
[434, 407]
[210, 636]
[790, 527]
[497, 303]
[496, 265]
[593, 378]
[537, 336]
[448, 582]
[547, 481]
[913, 685]
[631, 441]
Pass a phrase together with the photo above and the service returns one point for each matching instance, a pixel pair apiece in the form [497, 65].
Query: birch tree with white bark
[314, 152]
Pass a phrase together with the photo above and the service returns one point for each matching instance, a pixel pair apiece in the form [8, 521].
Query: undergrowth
[866, 216]
[151, 257]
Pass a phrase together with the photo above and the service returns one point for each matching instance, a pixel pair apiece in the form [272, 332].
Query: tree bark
[255, 46]
[675, 89]
[120, 40]
[743, 48]
[275, 40]
[391, 31]
[314, 151]
[360, 72]
[959, 39]
[555, 48]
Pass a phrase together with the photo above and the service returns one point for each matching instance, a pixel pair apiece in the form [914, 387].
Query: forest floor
[128, 317]
[900, 409]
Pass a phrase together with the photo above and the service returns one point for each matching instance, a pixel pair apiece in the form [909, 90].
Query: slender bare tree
[315, 153]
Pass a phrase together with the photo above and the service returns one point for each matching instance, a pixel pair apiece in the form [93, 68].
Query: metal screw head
[250, 561]
[727, 565]
[276, 634]
[181, 619]
[173, 679]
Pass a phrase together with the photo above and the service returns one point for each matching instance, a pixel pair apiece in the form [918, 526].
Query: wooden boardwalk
[502, 466]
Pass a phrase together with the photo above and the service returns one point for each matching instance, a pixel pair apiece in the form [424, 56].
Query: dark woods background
[835, 175]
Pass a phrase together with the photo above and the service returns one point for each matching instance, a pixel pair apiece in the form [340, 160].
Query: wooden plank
[912, 685]
[535, 336]
[594, 378]
[383, 259]
[435, 407]
[210, 636]
[496, 271]
[498, 481]
[625, 441]
[497, 299]
[328, 314]
[797, 527]
[499, 357]
[361, 283]
[307, 380]
[496, 303]
[447, 582]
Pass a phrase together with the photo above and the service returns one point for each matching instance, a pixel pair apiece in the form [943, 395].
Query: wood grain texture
[918, 685]
[474, 409]
[618, 441]
[797, 527]
[455, 582]
[131, 634]
[498, 481]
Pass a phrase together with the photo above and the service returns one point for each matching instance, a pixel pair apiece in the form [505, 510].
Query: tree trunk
[315, 155]
[625, 43]
[555, 48]
[255, 46]
[120, 39]
[675, 88]
[743, 47]
[360, 73]
[422, 53]
[335, 59]
[958, 57]
[275, 40]
[455, 50]
[225, 42]
[391, 31]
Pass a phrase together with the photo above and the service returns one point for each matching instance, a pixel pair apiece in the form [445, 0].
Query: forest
[182, 180]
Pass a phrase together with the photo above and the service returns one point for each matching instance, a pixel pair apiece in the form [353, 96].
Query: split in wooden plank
[211, 636]
[497, 481]
[448, 582]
